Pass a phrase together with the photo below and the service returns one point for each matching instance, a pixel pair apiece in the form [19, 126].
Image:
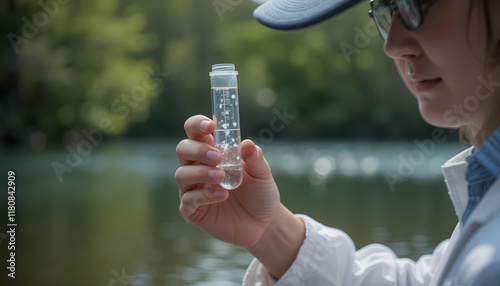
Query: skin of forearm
[278, 247]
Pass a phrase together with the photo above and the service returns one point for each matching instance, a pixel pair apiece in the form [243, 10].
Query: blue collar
[482, 171]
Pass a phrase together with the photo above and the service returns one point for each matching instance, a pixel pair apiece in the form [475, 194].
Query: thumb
[255, 163]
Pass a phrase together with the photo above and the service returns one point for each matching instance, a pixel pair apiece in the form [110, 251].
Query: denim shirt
[482, 170]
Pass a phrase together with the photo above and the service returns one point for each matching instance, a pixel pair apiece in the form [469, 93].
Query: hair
[492, 44]
[492, 51]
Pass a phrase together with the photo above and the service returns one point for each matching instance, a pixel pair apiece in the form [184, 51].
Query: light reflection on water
[359, 159]
[117, 212]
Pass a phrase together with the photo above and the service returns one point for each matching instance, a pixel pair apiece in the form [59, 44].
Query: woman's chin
[440, 117]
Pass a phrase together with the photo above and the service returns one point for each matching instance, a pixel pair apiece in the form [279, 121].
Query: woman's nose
[400, 42]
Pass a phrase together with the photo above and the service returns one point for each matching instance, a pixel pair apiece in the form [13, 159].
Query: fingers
[192, 202]
[199, 127]
[199, 148]
[191, 175]
[190, 151]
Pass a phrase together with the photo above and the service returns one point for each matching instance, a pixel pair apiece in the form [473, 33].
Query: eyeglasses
[410, 12]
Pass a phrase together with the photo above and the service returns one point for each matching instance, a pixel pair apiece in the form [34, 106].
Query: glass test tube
[227, 119]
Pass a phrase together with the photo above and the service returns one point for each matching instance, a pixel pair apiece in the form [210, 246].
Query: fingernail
[204, 124]
[212, 156]
[215, 174]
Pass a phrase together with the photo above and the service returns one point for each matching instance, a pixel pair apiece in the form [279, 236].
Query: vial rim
[223, 69]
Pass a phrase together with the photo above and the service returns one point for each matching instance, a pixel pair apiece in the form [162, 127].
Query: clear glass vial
[226, 116]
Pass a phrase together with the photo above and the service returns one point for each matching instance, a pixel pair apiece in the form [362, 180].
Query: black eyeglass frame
[393, 7]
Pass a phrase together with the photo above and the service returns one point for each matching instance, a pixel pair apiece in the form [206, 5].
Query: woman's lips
[426, 85]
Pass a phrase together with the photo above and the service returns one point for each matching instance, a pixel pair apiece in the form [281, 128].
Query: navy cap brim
[296, 14]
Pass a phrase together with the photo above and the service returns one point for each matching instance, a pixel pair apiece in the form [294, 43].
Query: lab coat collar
[454, 177]
[454, 172]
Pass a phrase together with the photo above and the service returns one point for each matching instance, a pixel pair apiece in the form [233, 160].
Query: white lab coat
[470, 257]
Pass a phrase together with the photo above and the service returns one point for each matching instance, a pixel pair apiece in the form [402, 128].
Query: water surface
[114, 219]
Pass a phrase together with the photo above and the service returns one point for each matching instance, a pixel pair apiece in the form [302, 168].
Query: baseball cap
[296, 14]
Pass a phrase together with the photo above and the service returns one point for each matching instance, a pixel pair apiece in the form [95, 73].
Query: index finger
[199, 127]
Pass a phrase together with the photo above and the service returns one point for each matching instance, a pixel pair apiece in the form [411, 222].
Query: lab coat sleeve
[328, 257]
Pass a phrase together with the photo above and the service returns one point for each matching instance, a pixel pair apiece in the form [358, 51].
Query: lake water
[114, 219]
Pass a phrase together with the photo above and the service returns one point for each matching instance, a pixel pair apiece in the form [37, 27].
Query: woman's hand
[240, 216]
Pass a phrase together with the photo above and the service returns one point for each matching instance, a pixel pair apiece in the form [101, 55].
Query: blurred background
[93, 97]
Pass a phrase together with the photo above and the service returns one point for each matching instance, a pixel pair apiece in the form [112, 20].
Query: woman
[447, 53]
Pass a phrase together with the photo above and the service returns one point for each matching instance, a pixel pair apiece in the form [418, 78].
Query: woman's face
[443, 64]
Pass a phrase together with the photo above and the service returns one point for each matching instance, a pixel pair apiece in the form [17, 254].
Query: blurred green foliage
[75, 64]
